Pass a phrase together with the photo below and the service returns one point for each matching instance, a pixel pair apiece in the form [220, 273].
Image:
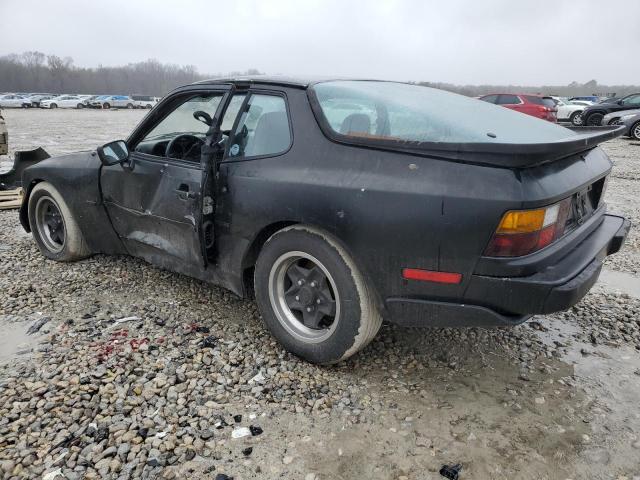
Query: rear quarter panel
[390, 210]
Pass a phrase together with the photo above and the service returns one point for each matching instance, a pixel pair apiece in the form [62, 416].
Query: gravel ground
[136, 372]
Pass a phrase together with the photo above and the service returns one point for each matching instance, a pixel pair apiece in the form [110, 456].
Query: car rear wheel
[594, 120]
[106, 105]
[576, 118]
[312, 296]
[635, 131]
[54, 229]
[80, 105]
[129, 106]
[53, 105]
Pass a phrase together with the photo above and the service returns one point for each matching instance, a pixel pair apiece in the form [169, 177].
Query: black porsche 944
[342, 203]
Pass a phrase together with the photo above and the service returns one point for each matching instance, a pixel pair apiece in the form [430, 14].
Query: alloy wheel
[304, 297]
[50, 224]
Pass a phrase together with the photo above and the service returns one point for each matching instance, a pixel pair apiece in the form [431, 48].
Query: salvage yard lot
[554, 398]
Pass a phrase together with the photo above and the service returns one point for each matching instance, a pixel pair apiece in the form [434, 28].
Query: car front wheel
[576, 118]
[106, 105]
[53, 226]
[53, 105]
[312, 296]
[594, 120]
[635, 131]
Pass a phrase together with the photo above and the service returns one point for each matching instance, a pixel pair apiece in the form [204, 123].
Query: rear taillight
[526, 231]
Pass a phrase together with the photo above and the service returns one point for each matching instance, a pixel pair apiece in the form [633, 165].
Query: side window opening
[179, 135]
[262, 129]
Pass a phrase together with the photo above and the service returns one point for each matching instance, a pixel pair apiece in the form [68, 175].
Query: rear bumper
[498, 301]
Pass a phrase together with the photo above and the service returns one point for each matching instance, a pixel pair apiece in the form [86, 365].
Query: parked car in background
[96, 102]
[63, 101]
[534, 105]
[113, 101]
[90, 99]
[36, 99]
[13, 101]
[629, 118]
[507, 212]
[144, 101]
[593, 115]
[570, 111]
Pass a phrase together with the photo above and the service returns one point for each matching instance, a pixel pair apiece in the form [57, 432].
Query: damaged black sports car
[342, 203]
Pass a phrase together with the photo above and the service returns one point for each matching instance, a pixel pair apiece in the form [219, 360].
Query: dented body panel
[390, 209]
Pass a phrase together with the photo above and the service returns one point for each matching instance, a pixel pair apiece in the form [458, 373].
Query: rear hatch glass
[396, 111]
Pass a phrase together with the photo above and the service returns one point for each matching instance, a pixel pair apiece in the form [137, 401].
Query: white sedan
[63, 101]
[15, 101]
[571, 111]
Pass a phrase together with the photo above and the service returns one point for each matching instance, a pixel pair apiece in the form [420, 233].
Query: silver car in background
[629, 118]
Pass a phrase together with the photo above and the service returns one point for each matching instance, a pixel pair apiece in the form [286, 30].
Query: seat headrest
[271, 134]
[355, 123]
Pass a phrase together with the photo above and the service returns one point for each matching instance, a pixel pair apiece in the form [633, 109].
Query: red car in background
[534, 105]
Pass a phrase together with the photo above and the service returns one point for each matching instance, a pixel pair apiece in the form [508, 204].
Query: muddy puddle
[620, 281]
[15, 343]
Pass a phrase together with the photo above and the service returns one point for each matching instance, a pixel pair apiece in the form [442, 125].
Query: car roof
[283, 81]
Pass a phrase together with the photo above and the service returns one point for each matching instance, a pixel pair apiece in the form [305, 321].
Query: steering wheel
[182, 145]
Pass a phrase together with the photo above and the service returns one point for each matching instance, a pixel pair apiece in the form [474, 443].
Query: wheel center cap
[306, 296]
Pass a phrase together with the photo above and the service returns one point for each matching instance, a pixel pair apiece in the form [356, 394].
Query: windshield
[404, 112]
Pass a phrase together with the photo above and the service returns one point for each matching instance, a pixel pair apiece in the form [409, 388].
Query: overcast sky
[526, 42]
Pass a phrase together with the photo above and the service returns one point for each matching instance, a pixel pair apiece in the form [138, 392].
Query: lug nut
[309, 309]
[297, 298]
[313, 284]
[318, 301]
[300, 282]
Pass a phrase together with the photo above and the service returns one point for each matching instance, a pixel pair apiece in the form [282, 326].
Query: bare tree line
[38, 72]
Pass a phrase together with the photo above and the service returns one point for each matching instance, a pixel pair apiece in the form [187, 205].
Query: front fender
[77, 178]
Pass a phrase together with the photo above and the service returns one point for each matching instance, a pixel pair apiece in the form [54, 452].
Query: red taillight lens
[522, 232]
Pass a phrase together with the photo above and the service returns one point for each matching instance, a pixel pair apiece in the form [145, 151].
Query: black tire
[106, 106]
[576, 118]
[148, 106]
[634, 132]
[594, 119]
[129, 106]
[80, 105]
[72, 246]
[53, 105]
[358, 317]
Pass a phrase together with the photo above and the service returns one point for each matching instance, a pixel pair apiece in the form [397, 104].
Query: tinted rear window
[508, 100]
[534, 99]
[403, 112]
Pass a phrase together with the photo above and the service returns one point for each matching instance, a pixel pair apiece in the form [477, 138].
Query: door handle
[184, 193]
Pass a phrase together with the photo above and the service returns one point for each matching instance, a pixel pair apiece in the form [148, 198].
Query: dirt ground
[554, 398]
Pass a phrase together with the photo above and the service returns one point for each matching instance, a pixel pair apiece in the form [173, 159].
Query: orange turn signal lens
[522, 221]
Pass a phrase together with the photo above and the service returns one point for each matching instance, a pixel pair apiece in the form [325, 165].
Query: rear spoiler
[502, 155]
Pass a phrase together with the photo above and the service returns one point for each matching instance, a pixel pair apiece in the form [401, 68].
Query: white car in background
[144, 101]
[16, 101]
[570, 111]
[63, 101]
[113, 101]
